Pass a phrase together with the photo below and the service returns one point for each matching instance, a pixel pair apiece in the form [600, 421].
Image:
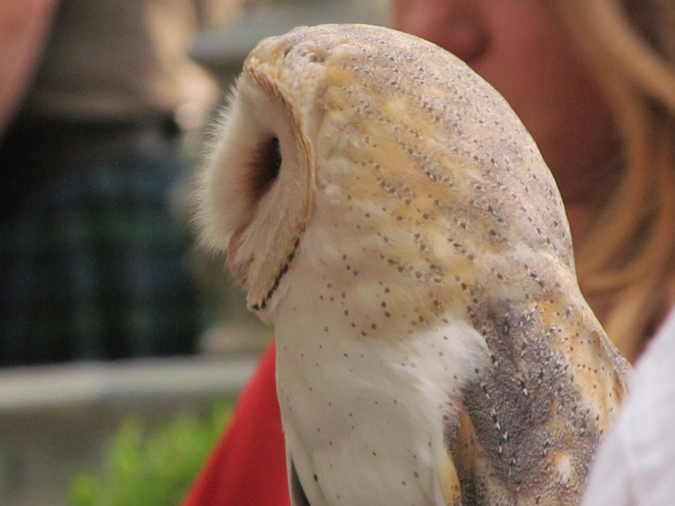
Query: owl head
[361, 143]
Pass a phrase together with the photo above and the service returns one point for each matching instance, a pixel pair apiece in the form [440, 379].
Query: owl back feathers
[385, 208]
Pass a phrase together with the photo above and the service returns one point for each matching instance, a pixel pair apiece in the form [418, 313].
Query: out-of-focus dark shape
[92, 257]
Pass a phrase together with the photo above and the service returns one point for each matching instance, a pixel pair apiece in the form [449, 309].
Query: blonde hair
[628, 257]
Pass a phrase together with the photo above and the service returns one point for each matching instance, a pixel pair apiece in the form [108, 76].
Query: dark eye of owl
[267, 165]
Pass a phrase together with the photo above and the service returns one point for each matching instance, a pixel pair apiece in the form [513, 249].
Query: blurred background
[122, 346]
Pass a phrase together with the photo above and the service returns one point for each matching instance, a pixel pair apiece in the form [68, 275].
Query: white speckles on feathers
[413, 254]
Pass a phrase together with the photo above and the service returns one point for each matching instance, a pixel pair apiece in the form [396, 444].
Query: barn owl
[387, 212]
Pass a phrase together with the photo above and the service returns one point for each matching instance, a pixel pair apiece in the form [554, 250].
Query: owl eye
[266, 166]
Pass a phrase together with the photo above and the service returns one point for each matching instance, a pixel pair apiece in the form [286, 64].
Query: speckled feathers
[386, 210]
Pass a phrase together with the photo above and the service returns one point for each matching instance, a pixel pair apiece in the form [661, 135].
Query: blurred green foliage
[152, 467]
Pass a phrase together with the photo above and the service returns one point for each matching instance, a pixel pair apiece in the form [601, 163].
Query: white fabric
[635, 465]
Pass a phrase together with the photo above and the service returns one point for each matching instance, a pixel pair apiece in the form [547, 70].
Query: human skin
[24, 26]
[522, 49]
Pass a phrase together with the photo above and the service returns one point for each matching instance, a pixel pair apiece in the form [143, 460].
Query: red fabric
[248, 466]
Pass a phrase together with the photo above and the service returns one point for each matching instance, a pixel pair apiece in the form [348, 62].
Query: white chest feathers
[365, 417]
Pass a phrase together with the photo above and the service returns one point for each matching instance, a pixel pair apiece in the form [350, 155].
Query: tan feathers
[412, 251]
